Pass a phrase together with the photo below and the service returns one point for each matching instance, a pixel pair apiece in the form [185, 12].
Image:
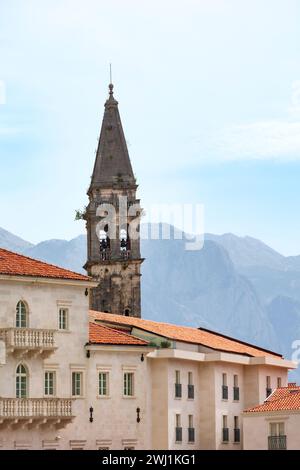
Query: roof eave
[48, 280]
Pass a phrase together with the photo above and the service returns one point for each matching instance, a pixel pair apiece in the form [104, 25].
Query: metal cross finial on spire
[111, 87]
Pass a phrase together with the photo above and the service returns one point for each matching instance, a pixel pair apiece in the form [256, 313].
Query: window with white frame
[77, 384]
[128, 385]
[50, 384]
[21, 315]
[63, 319]
[103, 384]
[21, 381]
[276, 429]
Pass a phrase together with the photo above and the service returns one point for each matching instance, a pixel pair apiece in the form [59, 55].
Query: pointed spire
[112, 165]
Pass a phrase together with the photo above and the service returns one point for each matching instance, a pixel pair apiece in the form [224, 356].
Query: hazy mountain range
[235, 285]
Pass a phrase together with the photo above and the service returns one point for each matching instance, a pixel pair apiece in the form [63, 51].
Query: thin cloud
[268, 139]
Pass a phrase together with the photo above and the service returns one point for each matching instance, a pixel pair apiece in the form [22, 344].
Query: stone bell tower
[112, 221]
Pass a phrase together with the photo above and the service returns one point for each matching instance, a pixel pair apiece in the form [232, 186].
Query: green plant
[165, 344]
[80, 215]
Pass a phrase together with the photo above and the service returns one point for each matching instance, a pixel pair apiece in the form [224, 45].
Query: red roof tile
[282, 399]
[99, 334]
[186, 334]
[13, 264]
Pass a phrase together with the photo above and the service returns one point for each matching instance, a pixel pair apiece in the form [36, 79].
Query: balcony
[225, 434]
[224, 392]
[35, 411]
[277, 442]
[190, 392]
[28, 341]
[178, 391]
[178, 434]
[191, 435]
[237, 435]
[236, 393]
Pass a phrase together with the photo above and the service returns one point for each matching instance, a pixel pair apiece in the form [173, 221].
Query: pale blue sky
[209, 94]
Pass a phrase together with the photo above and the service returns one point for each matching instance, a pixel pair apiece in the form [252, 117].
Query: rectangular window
[277, 429]
[50, 383]
[178, 390]
[268, 386]
[76, 384]
[236, 389]
[236, 422]
[225, 430]
[190, 386]
[237, 432]
[63, 319]
[178, 428]
[279, 383]
[103, 384]
[191, 429]
[128, 384]
[224, 387]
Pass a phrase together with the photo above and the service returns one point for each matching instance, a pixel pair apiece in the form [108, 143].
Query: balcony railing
[191, 391]
[178, 392]
[236, 393]
[191, 434]
[178, 434]
[35, 409]
[28, 339]
[224, 392]
[277, 442]
[225, 434]
[237, 435]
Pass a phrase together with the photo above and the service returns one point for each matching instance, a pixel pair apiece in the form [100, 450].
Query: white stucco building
[71, 378]
[274, 424]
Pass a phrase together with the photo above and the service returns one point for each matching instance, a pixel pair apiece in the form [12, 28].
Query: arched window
[21, 381]
[124, 243]
[21, 315]
[127, 312]
[104, 243]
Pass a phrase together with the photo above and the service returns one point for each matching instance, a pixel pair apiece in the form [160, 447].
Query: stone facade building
[74, 378]
[79, 368]
[112, 217]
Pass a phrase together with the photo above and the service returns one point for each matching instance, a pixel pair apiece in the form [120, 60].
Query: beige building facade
[71, 378]
[275, 424]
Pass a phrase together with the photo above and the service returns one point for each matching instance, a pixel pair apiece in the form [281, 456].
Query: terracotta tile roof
[186, 334]
[13, 264]
[99, 334]
[282, 399]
